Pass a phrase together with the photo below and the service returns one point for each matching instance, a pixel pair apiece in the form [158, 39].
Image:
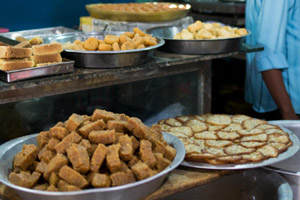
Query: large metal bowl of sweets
[104, 59]
[132, 191]
[199, 46]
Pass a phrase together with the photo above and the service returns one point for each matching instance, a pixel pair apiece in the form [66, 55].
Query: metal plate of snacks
[104, 59]
[292, 150]
[67, 66]
[101, 11]
[205, 46]
[133, 191]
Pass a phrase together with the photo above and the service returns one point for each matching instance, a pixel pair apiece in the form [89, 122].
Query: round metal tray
[132, 191]
[292, 150]
[211, 46]
[104, 59]
[96, 12]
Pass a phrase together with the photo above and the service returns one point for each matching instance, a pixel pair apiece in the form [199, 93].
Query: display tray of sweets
[143, 12]
[66, 66]
[220, 141]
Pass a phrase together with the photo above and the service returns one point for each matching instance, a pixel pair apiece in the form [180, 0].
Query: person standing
[273, 75]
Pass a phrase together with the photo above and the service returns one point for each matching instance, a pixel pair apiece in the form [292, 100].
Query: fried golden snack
[110, 39]
[91, 44]
[129, 34]
[104, 47]
[149, 41]
[127, 46]
[115, 46]
[139, 31]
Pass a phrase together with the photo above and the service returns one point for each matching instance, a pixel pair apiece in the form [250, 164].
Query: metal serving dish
[66, 66]
[132, 191]
[211, 46]
[255, 184]
[104, 59]
[290, 168]
[44, 33]
[96, 11]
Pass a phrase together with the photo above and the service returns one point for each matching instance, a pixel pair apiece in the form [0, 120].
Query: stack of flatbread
[227, 139]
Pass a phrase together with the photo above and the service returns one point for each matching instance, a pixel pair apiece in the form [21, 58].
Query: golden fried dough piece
[105, 47]
[136, 30]
[127, 46]
[91, 44]
[110, 39]
[115, 46]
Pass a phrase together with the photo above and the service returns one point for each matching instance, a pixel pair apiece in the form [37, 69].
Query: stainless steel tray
[292, 150]
[132, 191]
[211, 46]
[254, 184]
[104, 59]
[67, 66]
[290, 168]
[44, 33]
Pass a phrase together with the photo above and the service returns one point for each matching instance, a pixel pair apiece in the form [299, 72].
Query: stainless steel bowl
[211, 46]
[290, 168]
[104, 59]
[132, 191]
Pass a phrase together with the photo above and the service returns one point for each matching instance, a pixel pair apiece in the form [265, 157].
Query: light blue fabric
[275, 25]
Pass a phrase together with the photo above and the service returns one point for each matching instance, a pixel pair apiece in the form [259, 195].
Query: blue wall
[29, 14]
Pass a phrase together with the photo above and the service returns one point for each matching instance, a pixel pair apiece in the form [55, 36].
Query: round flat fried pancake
[249, 132]
[182, 129]
[236, 149]
[215, 127]
[257, 138]
[269, 151]
[183, 119]
[253, 157]
[232, 127]
[229, 159]
[239, 118]
[266, 126]
[172, 122]
[202, 117]
[196, 125]
[214, 151]
[217, 143]
[277, 137]
[228, 135]
[251, 123]
[275, 130]
[206, 135]
[280, 146]
[252, 144]
[219, 120]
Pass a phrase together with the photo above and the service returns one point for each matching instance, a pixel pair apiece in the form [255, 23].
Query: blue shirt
[275, 25]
